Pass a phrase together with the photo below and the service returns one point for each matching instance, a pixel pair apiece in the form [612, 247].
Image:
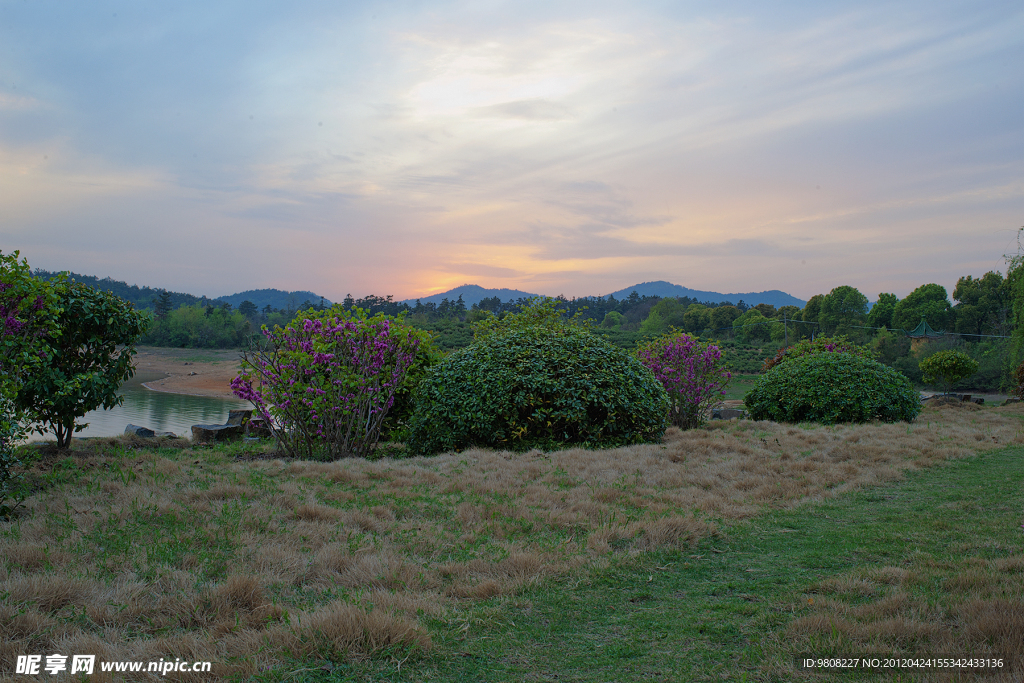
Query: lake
[157, 410]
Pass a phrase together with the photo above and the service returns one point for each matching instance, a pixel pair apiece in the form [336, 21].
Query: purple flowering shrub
[806, 347]
[692, 372]
[325, 383]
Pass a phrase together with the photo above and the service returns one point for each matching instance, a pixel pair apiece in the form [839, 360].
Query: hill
[275, 298]
[472, 294]
[140, 297]
[664, 289]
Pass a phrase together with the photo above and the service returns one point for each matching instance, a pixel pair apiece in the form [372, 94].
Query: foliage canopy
[86, 363]
[946, 368]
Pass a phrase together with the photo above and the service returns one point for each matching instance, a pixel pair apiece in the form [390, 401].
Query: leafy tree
[881, 313]
[928, 302]
[87, 361]
[812, 309]
[889, 346]
[751, 327]
[767, 310]
[28, 312]
[666, 313]
[946, 368]
[697, 318]
[842, 310]
[724, 316]
[613, 320]
[162, 305]
[983, 305]
[249, 310]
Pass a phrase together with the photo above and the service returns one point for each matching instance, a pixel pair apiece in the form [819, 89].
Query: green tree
[613, 320]
[880, 314]
[946, 368]
[248, 309]
[28, 313]
[722, 317]
[751, 327]
[983, 305]
[654, 324]
[928, 302]
[811, 313]
[162, 305]
[697, 318]
[87, 362]
[842, 310]
[665, 314]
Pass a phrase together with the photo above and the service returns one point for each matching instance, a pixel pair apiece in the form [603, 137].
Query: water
[157, 410]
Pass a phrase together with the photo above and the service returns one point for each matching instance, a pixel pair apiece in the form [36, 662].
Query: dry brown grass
[141, 555]
[879, 610]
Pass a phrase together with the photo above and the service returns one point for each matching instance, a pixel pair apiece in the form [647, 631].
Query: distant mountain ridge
[142, 297]
[661, 288]
[472, 294]
[275, 298]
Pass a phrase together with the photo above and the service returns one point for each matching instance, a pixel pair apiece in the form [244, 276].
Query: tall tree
[842, 310]
[927, 301]
[880, 314]
[983, 305]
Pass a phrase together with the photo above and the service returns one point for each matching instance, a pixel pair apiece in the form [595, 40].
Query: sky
[571, 148]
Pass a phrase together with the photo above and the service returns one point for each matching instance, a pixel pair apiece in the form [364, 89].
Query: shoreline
[189, 372]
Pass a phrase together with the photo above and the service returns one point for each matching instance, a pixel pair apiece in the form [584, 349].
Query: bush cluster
[831, 388]
[542, 385]
[806, 347]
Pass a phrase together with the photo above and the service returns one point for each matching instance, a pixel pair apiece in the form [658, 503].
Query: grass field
[720, 553]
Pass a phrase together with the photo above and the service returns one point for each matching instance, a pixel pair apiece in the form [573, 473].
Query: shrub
[693, 374]
[946, 368]
[548, 385]
[1018, 381]
[325, 383]
[831, 388]
[806, 347]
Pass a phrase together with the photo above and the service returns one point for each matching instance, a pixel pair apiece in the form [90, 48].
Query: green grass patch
[741, 606]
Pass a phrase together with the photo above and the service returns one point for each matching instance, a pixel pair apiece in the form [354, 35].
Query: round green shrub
[546, 387]
[831, 388]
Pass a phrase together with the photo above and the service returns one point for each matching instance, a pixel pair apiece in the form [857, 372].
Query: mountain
[664, 289]
[275, 298]
[472, 294]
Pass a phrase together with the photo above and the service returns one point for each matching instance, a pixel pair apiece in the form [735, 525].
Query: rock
[139, 431]
[212, 433]
[239, 417]
[170, 435]
[257, 426]
[727, 414]
[980, 401]
[1011, 400]
[966, 398]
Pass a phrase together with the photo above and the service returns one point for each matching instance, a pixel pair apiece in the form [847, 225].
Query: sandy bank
[196, 372]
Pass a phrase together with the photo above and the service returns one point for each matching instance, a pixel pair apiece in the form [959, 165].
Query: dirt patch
[196, 372]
